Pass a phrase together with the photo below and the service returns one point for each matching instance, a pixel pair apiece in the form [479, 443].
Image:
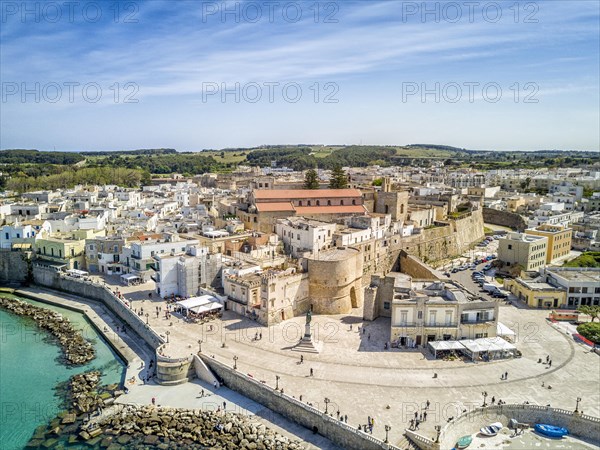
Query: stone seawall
[87, 289]
[581, 426]
[339, 433]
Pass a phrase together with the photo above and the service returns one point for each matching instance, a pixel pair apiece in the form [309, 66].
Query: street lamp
[147, 315]
[199, 345]
[277, 382]
[485, 394]
[438, 430]
[235, 358]
[577, 405]
[167, 333]
[387, 430]
[326, 404]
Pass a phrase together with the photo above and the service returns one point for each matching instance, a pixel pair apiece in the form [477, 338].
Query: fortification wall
[307, 416]
[13, 266]
[504, 218]
[410, 265]
[335, 285]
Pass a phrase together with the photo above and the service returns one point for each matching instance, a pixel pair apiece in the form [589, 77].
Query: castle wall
[335, 285]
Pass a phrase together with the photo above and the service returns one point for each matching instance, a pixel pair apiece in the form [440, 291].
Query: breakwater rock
[94, 421]
[148, 426]
[75, 348]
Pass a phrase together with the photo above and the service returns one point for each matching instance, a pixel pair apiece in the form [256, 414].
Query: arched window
[354, 202]
[309, 203]
[328, 202]
[300, 203]
[342, 202]
[318, 202]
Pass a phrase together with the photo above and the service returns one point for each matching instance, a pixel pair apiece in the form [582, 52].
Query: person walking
[549, 363]
[301, 359]
[506, 375]
[424, 416]
[427, 404]
[154, 400]
[311, 372]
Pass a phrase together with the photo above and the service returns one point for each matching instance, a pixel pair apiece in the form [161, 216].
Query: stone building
[335, 281]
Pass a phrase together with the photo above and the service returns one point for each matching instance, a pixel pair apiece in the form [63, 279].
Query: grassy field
[228, 157]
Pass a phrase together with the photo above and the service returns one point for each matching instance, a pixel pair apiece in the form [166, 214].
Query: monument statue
[308, 317]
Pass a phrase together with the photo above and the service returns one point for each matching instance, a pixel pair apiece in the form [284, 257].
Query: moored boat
[551, 430]
[491, 430]
[464, 441]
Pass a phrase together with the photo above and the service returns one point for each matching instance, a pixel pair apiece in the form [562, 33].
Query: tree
[590, 331]
[592, 311]
[311, 179]
[339, 179]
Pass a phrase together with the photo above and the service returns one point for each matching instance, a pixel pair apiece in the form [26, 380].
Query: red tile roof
[287, 194]
[356, 209]
[275, 206]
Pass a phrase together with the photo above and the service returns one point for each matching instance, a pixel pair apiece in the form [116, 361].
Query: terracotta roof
[270, 194]
[273, 207]
[349, 209]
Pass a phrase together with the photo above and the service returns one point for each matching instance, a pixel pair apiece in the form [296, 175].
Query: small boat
[551, 430]
[464, 442]
[491, 430]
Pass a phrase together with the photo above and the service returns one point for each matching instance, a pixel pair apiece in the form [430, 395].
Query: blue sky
[528, 74]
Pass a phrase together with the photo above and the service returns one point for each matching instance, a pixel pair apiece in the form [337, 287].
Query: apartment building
[525, 250]
[559, 241]
[581, 283]
[301, 235]
[426, 311]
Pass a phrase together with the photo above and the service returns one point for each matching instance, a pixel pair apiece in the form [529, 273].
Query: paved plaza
[362, 379]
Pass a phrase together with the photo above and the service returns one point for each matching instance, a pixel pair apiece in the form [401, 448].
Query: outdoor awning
[129, 277]
[78, 273]
[193, 302]
[446, 345]
[503, 330]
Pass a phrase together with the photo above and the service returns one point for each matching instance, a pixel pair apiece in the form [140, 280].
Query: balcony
[440, 324]
[475, 321]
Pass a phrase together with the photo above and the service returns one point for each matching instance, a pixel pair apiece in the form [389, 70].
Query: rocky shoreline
[94, 421]
[76, 349]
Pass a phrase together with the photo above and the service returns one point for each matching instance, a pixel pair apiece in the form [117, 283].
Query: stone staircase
[406, 444]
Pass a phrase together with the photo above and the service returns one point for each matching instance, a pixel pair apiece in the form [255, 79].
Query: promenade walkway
[362, 379]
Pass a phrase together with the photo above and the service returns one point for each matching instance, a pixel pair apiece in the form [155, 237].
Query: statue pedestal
[306, 344]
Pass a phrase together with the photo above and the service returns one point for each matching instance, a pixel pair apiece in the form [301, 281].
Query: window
[420, 315]
[309, 204]
[432, 317]
[318, 202]
[6, 235]
[342, 202]
[403, 317]
[510, 246]
[386, 305]
[354, 202]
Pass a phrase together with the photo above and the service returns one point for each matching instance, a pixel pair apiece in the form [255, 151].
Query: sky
[193, 75]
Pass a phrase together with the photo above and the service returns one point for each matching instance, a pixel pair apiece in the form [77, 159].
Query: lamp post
[167, 333]
[438, 430]
[485, 394]
[277, 382]
[327, 401]
[147, 315]
[387, 430]
[577, 405]
[235, 358]
[199, 345]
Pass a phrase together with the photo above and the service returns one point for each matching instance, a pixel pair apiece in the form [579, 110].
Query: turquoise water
[29, 372]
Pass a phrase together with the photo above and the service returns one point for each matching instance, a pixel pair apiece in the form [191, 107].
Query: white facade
[582, 284]
[301, 235]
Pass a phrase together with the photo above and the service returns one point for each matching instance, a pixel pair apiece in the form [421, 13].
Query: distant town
[369, 287]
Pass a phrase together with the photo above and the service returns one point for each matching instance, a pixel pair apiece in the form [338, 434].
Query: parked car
[493, 256]
[473, 266]
[487, 267]
[489, 287]
[456, 269]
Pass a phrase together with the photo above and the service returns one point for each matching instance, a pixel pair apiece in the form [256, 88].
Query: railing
[312, 409]
[475, 321]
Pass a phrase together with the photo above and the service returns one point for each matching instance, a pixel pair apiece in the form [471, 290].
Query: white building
[582, 284]
[301, 235]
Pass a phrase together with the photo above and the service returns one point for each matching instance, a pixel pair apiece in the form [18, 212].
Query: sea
[30, 372]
